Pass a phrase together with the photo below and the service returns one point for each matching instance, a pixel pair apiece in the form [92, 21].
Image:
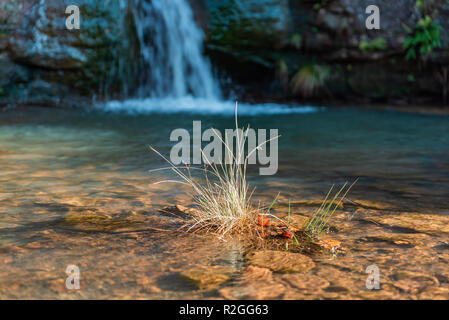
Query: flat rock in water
[314, 203]
[180, 211]
[305, 281]
[253, 273]
[409, 286]
[434, 293]
[258, 290]
[4, 225]
[416, 276]
[281, 261]
[371, 204]
[96, 223]
[206, 277]
[425, 223]
[411, 240]
[297, 220]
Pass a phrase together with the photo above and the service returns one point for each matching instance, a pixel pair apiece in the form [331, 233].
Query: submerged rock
[403, 240]
[434, 293]
[424, 278]
[424, 223]
[180, 211]
[371, 204]
[253, 273]
[254, 291]
[281, 261]
[97, 223]
[256, 283]
[206, 277]
[409, 286]
[314, 203]
[305, 281]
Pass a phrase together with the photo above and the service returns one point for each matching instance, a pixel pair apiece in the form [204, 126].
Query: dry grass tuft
[223, 196]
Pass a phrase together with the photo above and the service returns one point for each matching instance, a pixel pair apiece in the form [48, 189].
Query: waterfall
[170, 60]
[172, 73]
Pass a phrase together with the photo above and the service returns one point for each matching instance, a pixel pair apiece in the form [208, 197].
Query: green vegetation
[318, 222]
[319, 4]
[309, 79]
[288, 227]
[423, 39]
[419, 4]
[377, 44]
[296, 41]
[223, 206]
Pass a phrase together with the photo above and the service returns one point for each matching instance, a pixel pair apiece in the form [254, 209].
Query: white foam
[193, 105]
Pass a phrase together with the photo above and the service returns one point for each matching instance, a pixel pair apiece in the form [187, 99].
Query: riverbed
[60, 164]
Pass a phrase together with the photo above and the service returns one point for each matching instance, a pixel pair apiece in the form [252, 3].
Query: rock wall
[44, 63]
[262, 44]
[259, 44]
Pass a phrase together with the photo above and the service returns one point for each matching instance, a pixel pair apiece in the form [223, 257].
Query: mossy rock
[281, 261]
[248, 24]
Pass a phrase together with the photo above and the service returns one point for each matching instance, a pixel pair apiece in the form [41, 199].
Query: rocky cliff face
[262, 45]
[44, 63]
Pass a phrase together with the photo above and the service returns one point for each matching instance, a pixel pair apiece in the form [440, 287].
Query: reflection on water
[57, 164]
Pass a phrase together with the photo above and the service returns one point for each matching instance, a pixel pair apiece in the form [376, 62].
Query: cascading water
[173, 75]
[170, 59]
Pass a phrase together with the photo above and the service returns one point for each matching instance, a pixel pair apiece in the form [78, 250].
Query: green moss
[377, 44]
[419, 4]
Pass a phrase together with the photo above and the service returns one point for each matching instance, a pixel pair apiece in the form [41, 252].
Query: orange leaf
[263, 221]
[287, 234]
[329, 244]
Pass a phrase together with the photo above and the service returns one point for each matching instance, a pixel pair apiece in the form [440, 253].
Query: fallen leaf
[329, 244]
[287, 234]
[263, 221]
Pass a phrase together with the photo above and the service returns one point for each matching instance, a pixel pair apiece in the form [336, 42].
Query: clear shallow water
[398, 157]
[60, 162]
